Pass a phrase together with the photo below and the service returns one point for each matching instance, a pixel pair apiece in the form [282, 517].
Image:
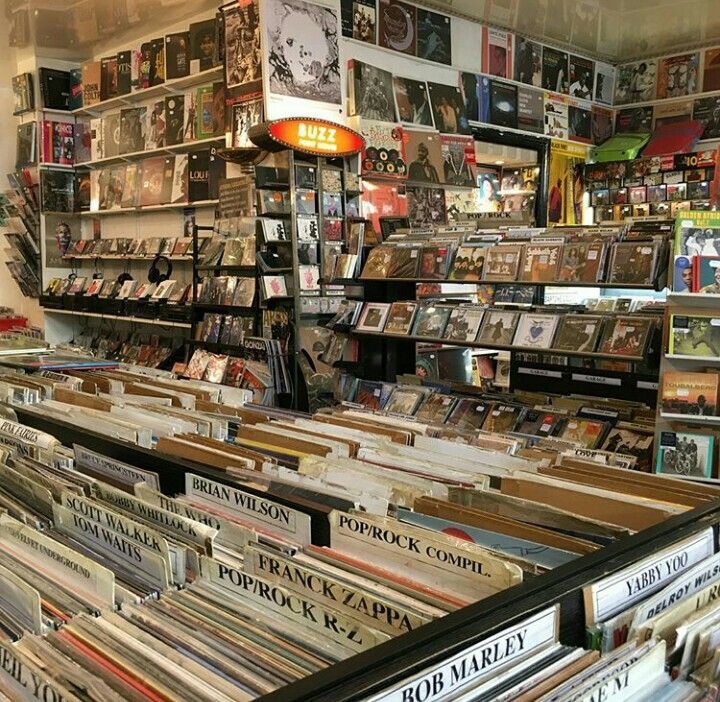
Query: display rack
[374, 671]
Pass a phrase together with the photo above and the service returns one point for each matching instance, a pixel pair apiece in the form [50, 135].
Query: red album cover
[383, 200]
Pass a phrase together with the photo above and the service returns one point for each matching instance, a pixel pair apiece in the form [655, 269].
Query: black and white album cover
[528, 61]
[426, 206]
[302, 50]
[433, 41]
[242, 46]
[371, 92]
[245, 115]
[448, 109]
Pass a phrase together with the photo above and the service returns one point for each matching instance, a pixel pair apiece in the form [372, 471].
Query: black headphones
[154, 274]
[123, 277]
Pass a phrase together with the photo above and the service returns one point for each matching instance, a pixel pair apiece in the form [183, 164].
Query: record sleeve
[433, 40]
[384, 152]
[581, 77]
[359, 20]
[373, 317]
[498, 327]
[633, 262]
[458, 153]
[468, 414]
[370, 92]
[426, 206]
[555, 70]
[203, 45]
[431, 320]
[540, 263]
[502, 262]
[412, 102]
[685, 455]
[434, 262]
[528, 61]
[502, 418]
[496, 52]
[689, 393]
[403, 401]
[397, 26]
[423, 151]
[468, 263]
[585, 432]
[536, 330]
[369, 394]
[377, 264]
[448, 109]
[578, 332]
[435, 408]
[464, 323]
[678, 75]
[503, 104]
[625, 336]
[400, 318]
[404, 262]
[695, 336]
[635, 82]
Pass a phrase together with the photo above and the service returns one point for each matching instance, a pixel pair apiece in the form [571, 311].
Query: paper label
[182, 527]
[371, 610]
[466, 669]
[620, 591]
[540, 371]
[229, 534]
[114, 469]
[70, 567]
[119, 548]
[23, 598]
[596, 379]
[31, 436]
[646, 385]
[285, 521]
[289, 604]
[20, 677]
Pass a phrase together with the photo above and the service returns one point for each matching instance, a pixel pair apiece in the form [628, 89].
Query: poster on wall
[634, 120]
[497, 52]
[243, 63]
[604, 83]
[359, 20]
[307, 69]
[503, 104]
[678, 75]
[412, 102]
[707, 111]
[433, 40]
[447, 105]
[581, 74]
[555, 70]
[397, 26]
[601, 121]
[528, 61]
[566, 185]
[711, 70]
[635, 82]
[530, 104]
[556, 116]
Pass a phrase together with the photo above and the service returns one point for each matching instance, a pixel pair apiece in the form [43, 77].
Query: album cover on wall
[243, 57]
[294, 67]
[458, 153]
[635, 82]
[132, 129]
[604, 83]
[426, 206]
[581, 74]
[470, 90]
[359, 20]
[678, 75]
[497, 52]
[634, 119]
[601, 124]
[530, 109]
[503, 104]
[397, 26]
[433, 40]
[412, 102]
[556, 116]
[245, 114]
[579, 123]
[447, 106]
[204, 52]
[370, 92]
[528, 61]
[711, 70]
[707, 111]
[174, 119]
[177, 55]
[671, 113]
[423, 152]
[384, 152]
[555, 70]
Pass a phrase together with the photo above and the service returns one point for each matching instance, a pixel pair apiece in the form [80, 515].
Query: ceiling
[618, 30]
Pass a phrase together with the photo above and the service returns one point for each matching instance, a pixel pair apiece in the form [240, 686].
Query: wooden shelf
[199, 204]
[120, 318]
[170, 86]
[161, 151]
[499, 347]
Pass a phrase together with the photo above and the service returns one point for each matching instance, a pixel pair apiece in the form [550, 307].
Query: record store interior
[360, 351]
